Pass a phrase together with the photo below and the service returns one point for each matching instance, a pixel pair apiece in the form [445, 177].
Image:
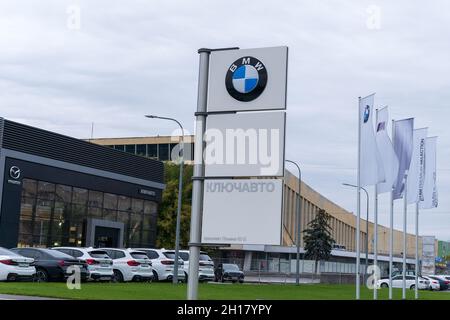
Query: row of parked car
[108, 264]
[433, 282]
[102, 264]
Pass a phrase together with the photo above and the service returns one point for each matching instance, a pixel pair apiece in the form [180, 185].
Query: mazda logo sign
[14, 172]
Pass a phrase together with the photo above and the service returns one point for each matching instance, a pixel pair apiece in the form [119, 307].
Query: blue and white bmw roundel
[246, 79]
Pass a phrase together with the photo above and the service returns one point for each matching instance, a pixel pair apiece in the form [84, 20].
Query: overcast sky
[129, 58]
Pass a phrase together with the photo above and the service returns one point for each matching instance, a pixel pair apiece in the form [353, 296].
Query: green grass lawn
[167, 291]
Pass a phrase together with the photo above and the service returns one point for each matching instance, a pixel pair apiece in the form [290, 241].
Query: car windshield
[56, 254]
[184, 256]
[170, 255]
[99, 254]
[6, 252]
[230, 267]
[139, 255]
[204, 257]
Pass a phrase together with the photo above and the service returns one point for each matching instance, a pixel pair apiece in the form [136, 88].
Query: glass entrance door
[106, 237]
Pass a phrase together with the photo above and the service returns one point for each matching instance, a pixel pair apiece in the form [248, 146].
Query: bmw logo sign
[246, 79]
[366, 114]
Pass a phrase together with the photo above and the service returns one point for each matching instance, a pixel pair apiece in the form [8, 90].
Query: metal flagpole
[391, 243]
[391, 235]
[416, 288]
[358, 206]
[197, 184]
[405, 213]
[375, 245]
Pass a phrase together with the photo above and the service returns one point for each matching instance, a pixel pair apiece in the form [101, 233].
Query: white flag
[430, 193]
[416, 171]
[371, 165]
[403, 146]
[386, 149]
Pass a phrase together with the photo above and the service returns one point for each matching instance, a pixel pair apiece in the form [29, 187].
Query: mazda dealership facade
[60, 191]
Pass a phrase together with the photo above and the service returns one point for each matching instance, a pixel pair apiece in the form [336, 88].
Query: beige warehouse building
[343, 223]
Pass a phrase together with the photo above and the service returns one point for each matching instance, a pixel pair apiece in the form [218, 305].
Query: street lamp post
[180, 190]
[367, 224]
[298, 215]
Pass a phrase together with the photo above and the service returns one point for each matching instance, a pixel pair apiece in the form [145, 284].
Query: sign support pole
[197, 184]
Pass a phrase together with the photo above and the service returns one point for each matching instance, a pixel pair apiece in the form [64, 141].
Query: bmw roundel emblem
[366, 114]
[246, 79]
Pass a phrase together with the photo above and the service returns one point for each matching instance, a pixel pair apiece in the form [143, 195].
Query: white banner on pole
[416, 173]
[371, 165]
[386, 149]
[430, 193]
[428, 255]
[403, 146]
[242, 211]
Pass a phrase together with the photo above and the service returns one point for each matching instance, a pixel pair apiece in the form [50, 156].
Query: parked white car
[15, 267]
[99, 264]
[163, 264]
[434, 284]
[397, 282]
[130, 265]
[442, 277]
[205, 269]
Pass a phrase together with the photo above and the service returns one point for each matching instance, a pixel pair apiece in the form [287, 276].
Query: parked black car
[51, 265]
[442, 283]
[228, 272]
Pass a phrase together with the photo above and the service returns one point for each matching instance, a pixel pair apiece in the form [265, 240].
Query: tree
[167, 218]
[318, 239]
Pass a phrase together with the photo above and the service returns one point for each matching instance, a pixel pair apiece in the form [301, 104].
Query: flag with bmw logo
[371, 164]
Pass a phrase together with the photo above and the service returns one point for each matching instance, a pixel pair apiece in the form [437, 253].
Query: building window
[80, 196]
[141, 150]
[189, 151]
[120, 147]
[152, 151]
[172, 146]
[55, 215]
[163, 152]
[130, 148]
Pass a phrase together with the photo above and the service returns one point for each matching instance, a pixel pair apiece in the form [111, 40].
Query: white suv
[99, 264]
[205, 268]
[163, 263]
[130, 265]
[15, 267]
[397, 282]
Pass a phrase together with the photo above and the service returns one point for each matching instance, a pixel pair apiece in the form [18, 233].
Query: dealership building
[279, 259]
[61, 191]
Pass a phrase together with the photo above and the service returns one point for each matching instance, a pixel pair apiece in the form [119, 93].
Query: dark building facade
[61, 191]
